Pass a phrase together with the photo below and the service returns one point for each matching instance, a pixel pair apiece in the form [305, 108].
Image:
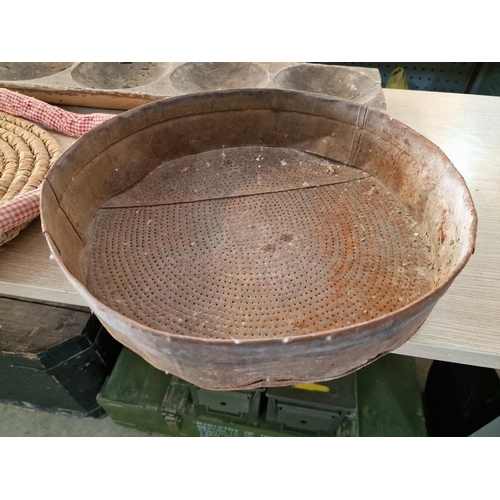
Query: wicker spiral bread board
[27, 152]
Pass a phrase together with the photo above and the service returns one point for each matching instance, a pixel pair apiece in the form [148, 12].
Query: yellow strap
[312, 387]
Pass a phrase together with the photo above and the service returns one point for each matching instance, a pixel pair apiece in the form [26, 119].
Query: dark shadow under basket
[254, 238]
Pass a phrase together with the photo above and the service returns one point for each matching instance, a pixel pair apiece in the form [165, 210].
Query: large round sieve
[258, 237]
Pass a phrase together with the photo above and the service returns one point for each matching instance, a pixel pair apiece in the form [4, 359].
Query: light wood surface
[464, 327]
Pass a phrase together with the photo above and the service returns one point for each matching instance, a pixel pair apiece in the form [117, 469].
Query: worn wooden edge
[475, 357]
[17, 290]
[87, 98]
[61, 305]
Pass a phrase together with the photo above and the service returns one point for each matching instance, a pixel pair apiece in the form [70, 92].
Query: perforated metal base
[256, 242]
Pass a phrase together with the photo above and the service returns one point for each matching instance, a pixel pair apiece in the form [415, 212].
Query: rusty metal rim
[201, 96]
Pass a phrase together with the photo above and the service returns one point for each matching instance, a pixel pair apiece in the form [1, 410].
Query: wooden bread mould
[125, 85]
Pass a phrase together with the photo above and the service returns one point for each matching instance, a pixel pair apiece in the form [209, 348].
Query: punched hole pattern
[279, 264]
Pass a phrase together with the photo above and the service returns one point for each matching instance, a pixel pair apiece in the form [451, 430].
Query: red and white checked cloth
[27, 206]
[48, 116]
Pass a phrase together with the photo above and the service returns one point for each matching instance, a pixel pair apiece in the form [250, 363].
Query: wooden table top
[464, 327]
